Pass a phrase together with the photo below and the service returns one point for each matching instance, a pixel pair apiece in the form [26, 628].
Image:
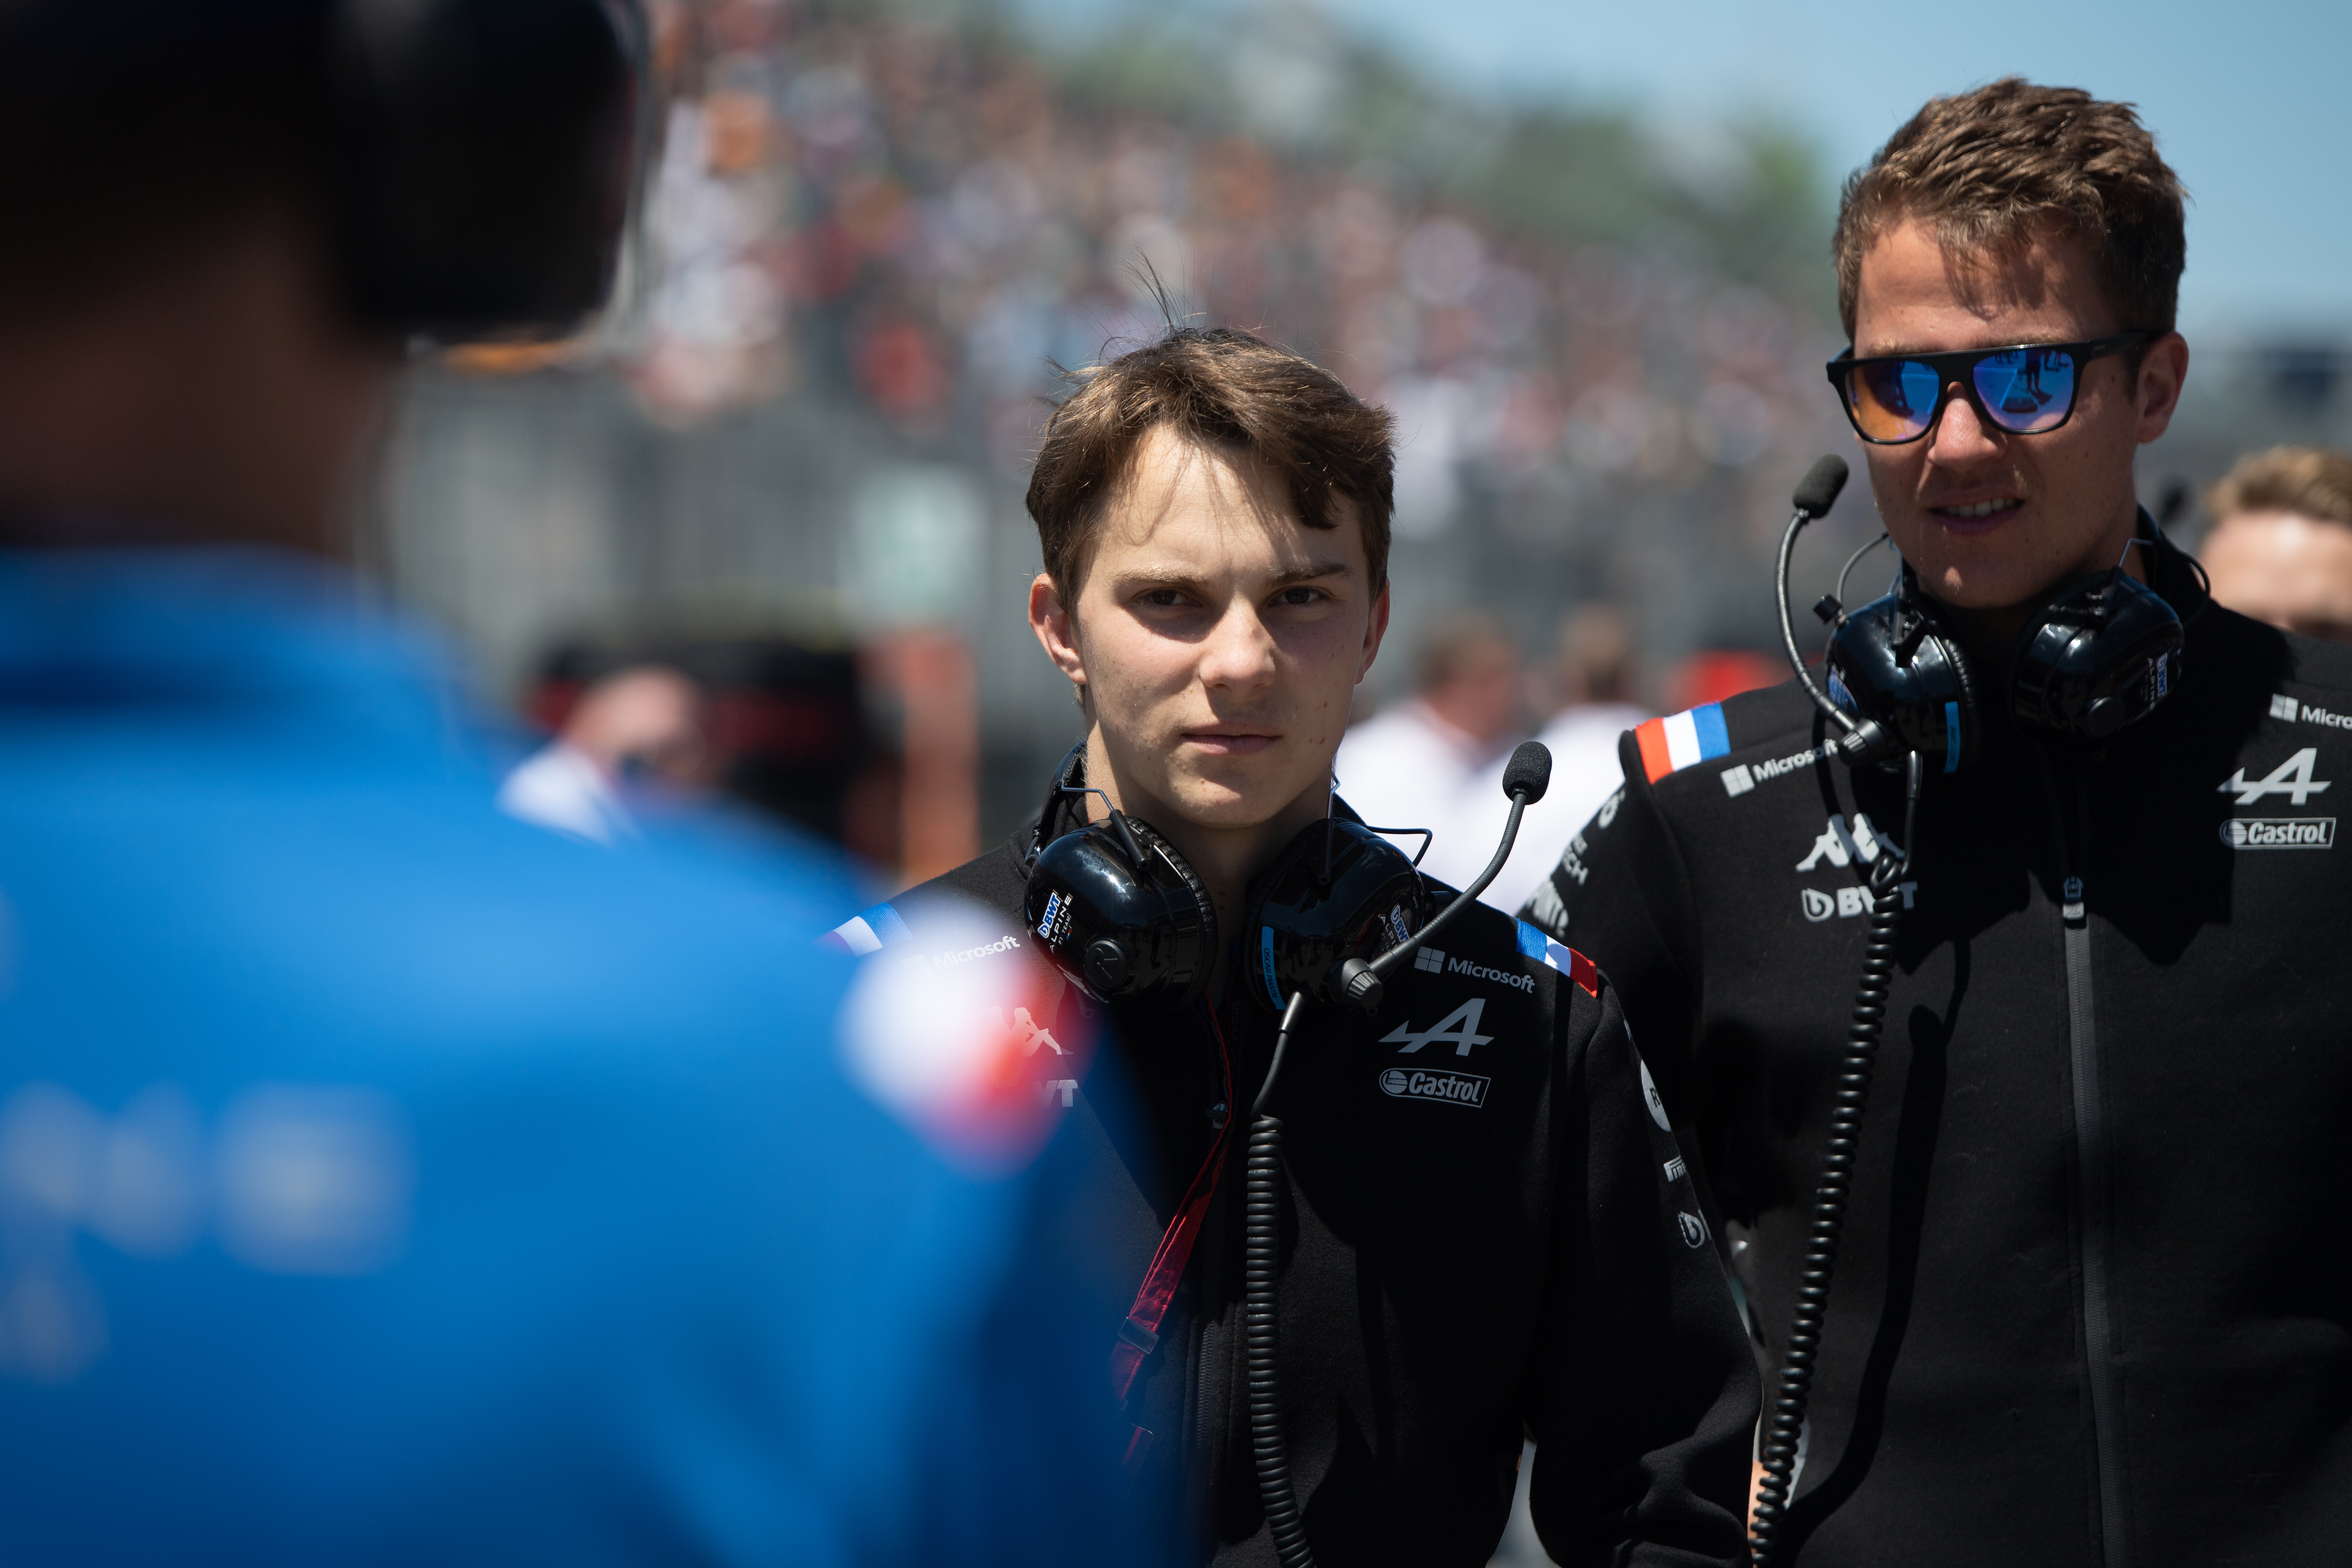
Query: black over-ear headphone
[2099, 654]
[1117, 911]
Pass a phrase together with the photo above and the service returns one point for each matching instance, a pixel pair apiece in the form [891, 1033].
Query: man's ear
[1375, 629]
[1057, 627]
[2161, 371]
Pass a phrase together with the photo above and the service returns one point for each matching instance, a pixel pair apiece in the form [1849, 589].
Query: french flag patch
[877, 929]
[1682, 739]
[1535, 944]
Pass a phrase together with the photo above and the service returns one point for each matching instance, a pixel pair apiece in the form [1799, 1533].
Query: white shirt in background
[1406, 767]
[561, 787]
[1584, 773]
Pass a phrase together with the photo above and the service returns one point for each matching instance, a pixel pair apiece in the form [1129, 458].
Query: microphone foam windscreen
[1530, 770]
[1818, 490]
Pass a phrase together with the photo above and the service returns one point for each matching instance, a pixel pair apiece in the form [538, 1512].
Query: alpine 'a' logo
[1427, 1083]
[1460, 1026]
[2291, 778]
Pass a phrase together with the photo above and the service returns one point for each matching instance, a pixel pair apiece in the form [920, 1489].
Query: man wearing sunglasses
[2089, 1306]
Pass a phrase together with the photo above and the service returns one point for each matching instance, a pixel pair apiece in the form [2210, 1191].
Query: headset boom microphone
[1864, 740]
[1525, 779]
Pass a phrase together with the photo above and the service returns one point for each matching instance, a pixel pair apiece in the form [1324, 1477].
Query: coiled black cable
[1786, 1425]
[1261, 1314]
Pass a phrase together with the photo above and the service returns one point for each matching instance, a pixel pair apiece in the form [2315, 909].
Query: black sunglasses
[2028, 390]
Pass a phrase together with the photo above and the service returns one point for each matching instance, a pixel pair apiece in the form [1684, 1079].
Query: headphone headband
[2098, 655]
[1121, 914]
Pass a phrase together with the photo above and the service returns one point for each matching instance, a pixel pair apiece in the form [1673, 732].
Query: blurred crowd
[927, 217]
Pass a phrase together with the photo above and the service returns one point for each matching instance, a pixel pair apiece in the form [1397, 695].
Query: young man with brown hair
[2086, 1306]
[2280, 549]
[1485, 1232]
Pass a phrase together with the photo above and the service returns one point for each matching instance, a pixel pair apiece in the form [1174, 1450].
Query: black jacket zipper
[2092, 1171]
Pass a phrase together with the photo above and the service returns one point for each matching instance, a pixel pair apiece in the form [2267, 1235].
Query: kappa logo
[2291, 778]
[2279, 833]
[1694, 1228]
[2287, 708]
[1427, 1083]
[1460, 1026]
[1841, 847]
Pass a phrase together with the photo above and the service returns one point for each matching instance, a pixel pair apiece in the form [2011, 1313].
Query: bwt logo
[2279, 833]
[1849, 901]
[1448, 1088]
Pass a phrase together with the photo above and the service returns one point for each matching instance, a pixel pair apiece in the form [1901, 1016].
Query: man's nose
[1240, 651]
[1960, 437]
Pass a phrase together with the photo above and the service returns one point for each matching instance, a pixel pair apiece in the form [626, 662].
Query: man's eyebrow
[1308, 572]
[1174, 576]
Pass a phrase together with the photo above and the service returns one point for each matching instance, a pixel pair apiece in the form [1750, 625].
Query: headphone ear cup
[1153, 843]
[1967, 729]
[1305, 923]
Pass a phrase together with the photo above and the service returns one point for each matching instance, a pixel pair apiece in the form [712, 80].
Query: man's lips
[1978, 516]
[1230, 742]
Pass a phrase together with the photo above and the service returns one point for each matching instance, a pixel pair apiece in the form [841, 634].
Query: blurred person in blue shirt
[383, 1179]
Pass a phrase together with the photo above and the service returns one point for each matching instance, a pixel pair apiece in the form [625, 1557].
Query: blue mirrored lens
[1893, 399]
[2027, 390]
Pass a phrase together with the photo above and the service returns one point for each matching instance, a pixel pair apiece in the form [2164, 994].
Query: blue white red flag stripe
[872, 931]
[1535, 944]
[1679, 739]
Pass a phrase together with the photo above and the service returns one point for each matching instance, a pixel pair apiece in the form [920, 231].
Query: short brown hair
[1990, 168]
[2310, 482]
[1224, 390]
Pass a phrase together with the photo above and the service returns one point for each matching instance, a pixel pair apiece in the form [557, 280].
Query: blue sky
[2249, 99]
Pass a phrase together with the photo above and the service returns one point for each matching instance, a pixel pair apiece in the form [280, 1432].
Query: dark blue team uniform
[381, 1179]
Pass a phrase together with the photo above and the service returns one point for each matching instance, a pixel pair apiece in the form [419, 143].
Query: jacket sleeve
[1644, 1411]
[1620, 896]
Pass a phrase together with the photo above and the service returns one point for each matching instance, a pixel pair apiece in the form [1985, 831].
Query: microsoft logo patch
[1429, 961]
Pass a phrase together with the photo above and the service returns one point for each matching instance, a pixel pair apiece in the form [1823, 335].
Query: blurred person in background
[2086, 1307]
[382, 1181]
[1590, 684]
[1409, 764]
[2280, 549]
[635, 730]
[1489, 1233]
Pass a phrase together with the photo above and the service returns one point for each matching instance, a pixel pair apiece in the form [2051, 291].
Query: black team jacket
[1488, 1233]
[2093, 1304]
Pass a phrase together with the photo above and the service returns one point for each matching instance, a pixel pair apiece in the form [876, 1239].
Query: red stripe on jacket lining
[1650, 735]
